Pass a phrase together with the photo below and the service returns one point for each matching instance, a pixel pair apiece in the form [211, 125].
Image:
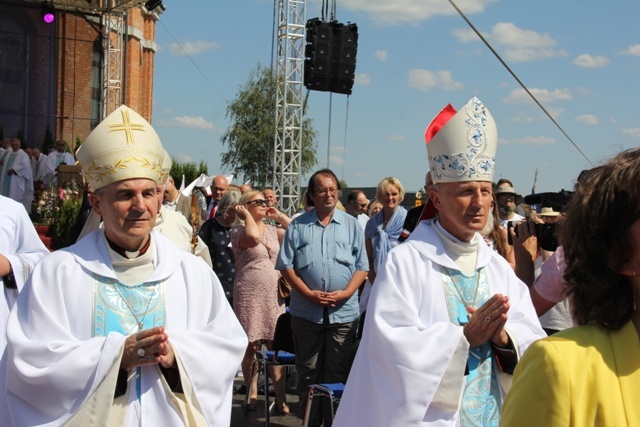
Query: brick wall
[74, 77]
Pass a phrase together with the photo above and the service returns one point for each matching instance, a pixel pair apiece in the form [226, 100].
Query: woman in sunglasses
[256, 301]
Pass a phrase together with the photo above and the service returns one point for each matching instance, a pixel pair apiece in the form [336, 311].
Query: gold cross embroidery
[127, 127]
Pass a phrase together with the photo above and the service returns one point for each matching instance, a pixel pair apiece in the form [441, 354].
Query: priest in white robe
[122, 328]
[42, 171]
[447, 318]
[16, 178]
[60, 157]
[20, 250]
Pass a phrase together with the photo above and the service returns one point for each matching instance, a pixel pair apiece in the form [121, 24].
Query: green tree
[251, 135]
[189, 170]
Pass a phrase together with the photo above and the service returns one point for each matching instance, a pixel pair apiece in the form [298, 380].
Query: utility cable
[519, 81]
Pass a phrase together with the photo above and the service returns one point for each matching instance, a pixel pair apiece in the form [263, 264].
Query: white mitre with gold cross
[461, 145]
[122, 146]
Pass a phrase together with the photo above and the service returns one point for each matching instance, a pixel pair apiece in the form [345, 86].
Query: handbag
[284, 288]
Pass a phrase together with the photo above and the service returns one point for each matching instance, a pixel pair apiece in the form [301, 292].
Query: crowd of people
[457, 312]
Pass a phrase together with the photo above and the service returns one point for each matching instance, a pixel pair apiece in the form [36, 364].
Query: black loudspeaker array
[330, 56]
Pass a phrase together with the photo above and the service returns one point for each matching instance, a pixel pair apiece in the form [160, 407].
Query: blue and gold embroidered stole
[481, 400]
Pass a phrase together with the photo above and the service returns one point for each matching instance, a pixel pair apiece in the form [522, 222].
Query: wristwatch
[9, 280]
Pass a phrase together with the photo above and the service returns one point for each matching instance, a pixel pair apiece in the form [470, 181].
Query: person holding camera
[540, 265]
[506, 197]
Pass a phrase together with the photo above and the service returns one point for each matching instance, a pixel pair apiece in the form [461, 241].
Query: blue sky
[581, 58]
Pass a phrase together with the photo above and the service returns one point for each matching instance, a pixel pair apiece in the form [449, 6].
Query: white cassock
[410, 365]
[57, 158]
[20, 185]
[59, 369]
[20, 244]
[42, 170]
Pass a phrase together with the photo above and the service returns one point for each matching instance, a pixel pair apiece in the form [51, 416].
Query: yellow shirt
[583, 376]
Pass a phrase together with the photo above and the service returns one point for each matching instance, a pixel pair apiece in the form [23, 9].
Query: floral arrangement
[63, 226]
[59, 208]
[47, 206]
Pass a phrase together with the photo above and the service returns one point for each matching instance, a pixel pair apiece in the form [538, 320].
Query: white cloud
[587, 61]
[183, 158]
[521, 117]
[533, 140]
[398, 12]
[518, 45]
[587, 119]
[336, 160]
[633, 50]
[632, 132]
[363, 79]
[545, 96]
[466, 35]
[187, 122]
[381, 55]
[193, 48]
[556, 112]
[425, 80]
[398, 137]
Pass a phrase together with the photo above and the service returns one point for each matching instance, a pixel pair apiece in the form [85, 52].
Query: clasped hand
[148, 347]
[326, 299]
[487, 322]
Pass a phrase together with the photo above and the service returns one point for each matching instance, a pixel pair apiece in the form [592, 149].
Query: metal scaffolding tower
[113, 39]
[289, 103]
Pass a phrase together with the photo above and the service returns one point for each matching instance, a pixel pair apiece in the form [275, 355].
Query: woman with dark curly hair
[590, 374]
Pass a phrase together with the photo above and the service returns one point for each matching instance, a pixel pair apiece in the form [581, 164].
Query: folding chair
[333, 392]
[281, 355]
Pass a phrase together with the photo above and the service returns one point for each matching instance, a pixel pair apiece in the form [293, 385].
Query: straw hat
[548, 211]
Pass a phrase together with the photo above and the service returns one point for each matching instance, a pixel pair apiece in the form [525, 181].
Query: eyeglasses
[325, 191]
[258, 202]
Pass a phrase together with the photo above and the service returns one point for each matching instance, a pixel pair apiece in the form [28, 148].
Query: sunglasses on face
[258, 202]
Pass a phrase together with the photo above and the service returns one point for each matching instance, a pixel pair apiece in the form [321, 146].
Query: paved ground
[242, 418]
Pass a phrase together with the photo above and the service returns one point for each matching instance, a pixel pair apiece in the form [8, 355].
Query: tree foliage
[251, 135]
[189, 170]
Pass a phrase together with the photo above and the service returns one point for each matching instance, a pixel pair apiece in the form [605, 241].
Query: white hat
[462, 145]
[122, 146]
[547, 211]
[505, 189]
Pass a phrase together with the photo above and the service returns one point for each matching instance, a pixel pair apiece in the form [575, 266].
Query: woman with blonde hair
[256, 301]
[382, 231]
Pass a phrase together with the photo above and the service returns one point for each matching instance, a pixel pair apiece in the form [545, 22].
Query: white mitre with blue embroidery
[122, 146]
[461, 145]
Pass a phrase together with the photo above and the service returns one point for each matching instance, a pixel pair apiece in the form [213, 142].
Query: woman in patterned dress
[256, 301]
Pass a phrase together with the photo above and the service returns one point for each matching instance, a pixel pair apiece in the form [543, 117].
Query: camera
[547, 234]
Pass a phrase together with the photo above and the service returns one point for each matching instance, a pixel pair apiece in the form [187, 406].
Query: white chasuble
[410, 366]
[60, 368]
